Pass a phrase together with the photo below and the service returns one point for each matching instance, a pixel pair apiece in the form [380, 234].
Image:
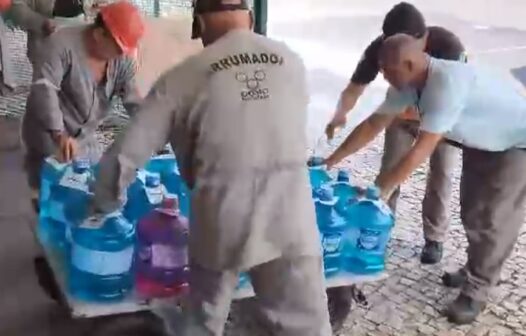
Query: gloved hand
[66, 144]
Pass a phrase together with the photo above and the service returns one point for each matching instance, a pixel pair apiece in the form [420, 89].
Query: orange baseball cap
[125, 23]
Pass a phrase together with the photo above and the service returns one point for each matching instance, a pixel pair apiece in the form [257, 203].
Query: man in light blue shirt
[481, 113]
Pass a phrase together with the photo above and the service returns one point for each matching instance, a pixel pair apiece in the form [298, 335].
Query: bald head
[402, 60]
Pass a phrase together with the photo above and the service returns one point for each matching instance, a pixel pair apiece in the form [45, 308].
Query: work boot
[340, 304]
[432, 252]
[454, 280]
[464, 310]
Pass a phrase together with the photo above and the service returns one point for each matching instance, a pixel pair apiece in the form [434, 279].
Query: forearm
[25, 17]
[419, 153]
[348, 98]
[362, 135]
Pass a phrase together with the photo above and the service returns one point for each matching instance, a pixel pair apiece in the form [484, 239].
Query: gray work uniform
[485, 114]
[30, 16]
[65, 97]
[399, 138]
[235, 115]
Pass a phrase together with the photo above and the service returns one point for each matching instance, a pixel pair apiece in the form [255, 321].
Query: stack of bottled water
[99, 253]
[355, 226]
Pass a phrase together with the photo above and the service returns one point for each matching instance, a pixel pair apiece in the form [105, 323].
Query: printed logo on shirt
[253, 83]
[246, 59]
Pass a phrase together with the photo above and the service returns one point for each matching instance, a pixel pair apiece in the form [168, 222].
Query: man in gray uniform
[235, 115]
[36, 18]
[74, 84]
[484, 114]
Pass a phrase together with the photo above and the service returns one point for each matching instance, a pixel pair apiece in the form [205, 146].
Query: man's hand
[338, 121]
[49, 27]
[331, 161]
[66, 144]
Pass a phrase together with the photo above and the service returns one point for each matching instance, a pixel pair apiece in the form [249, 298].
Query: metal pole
[156, 8]
[261, 16]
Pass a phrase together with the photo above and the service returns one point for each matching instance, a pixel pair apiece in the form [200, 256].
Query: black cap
[211, 6]
[404, 18]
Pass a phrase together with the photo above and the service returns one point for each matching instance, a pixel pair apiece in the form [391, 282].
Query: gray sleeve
[48, 74]
[128, 90]
[26, 17]
[148, 130]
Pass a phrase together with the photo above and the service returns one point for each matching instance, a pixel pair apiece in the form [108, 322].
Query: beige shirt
[236, 116]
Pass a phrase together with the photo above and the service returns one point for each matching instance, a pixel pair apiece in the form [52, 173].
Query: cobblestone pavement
[410, 301]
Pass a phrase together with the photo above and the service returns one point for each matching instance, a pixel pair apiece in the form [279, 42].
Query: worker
[235, 115]
[74, 83]
[483, 113]
[8, 81]
[400, 135]
[36, 17]
[437, 42]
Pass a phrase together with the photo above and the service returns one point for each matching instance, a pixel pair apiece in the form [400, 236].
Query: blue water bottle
[371, 224]
[144, 195]
[317, 173]
[100, 267]
[332, 227]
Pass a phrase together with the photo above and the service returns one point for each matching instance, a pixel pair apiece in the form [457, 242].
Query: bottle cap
[325, 194]
[171, 202]
[315, 161]
[343, 176]
[153, 180]
[373, 193]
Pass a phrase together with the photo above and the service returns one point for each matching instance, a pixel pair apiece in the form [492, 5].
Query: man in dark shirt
[399, 137]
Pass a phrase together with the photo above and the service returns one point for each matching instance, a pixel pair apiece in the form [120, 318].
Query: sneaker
[432, 252]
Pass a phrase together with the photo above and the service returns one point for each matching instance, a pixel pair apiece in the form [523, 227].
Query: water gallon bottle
[371, 225]
[68, 202]
[101, 259]
[162, 164]
[161, 260]
[346, 193]
[48, 231]
[244, 281]
[317, 172]
[52, 171]
[332, 227]
[174, 184]
[144, 195]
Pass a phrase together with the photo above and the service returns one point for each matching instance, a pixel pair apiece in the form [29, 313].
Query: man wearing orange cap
[74, 83]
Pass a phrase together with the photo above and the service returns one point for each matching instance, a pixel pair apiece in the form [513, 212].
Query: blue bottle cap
[325, 194]
[343, 176]
[81, 164]
[315, 161]
[153, 180]
[373, 193]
